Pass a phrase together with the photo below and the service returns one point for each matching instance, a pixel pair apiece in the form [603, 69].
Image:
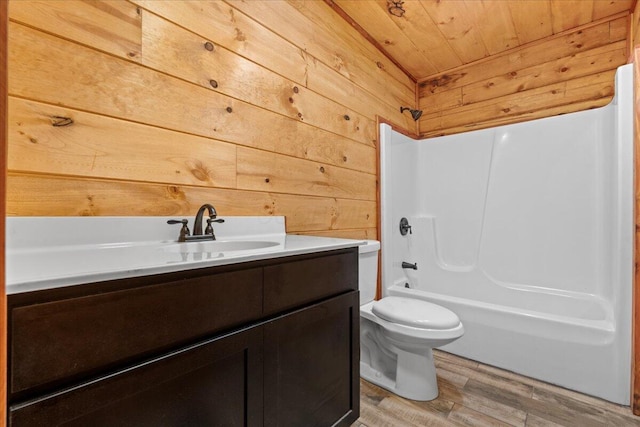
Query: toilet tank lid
[415, 312]
[369, 246]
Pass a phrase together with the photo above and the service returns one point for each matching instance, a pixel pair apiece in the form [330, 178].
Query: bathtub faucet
[405, 227]
[409, 265]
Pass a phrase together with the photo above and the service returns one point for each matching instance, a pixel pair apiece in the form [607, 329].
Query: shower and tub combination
[525, 231]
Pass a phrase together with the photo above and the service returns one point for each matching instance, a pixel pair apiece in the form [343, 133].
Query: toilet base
[415, 376]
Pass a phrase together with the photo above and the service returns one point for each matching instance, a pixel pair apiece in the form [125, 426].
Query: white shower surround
[526, 232]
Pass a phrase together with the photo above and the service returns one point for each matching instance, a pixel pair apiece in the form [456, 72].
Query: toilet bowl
[397, 335]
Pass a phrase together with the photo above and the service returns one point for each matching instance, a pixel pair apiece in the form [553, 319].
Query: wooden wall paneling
[265, 171]
[165, 45]
[100, 146]
[224, 25]
[604, 9]
[441, 101]
[39, 195]
[324, 80]
[120, 25]
[189, 132]
[635, 361]
[125, 90]
[557, 47]
[581, 64]
[635, 28]
[335, 43]
[360, 234]
[560, 75]
[317, 76]
[594, 87]
[3, 190]
[530, 115]
[348, 41]
[104, 147]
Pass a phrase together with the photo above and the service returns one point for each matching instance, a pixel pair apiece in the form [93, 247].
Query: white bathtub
[526, 232]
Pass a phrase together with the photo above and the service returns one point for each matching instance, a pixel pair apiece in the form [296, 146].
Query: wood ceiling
[434, 36]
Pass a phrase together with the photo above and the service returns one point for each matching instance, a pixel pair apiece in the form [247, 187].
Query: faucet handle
[184, 231]
[209, 229]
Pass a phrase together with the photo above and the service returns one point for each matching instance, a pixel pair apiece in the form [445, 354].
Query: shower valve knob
[405, 227]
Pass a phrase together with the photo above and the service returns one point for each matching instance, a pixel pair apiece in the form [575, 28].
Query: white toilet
[397, 335]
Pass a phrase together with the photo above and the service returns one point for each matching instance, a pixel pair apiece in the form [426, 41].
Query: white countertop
[51, 252]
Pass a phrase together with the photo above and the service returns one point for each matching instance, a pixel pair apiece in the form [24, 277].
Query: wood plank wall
[3, 191]
[634, 30]
[150, 107]
[568, 72]
[635, 378]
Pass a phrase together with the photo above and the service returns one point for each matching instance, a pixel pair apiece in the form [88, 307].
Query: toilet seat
[415, 313]
[436, 337]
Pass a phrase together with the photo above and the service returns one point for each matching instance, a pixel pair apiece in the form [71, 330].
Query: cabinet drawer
[215, 383]
[292, 284]
[56, 343]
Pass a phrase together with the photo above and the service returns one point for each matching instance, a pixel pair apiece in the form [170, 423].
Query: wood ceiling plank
[460, 32]
[447, 34]
[379, 23]
[493, 20]
[424, 34]
[567, 14]
[532, 19]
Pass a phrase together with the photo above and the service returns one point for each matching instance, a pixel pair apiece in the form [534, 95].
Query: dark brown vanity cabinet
[307, 387]
[240, 345]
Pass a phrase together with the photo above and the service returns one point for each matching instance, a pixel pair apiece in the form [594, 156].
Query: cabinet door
[312, 365]
[215, 383]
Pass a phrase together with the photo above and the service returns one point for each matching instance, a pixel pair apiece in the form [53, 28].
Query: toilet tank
[368, 270]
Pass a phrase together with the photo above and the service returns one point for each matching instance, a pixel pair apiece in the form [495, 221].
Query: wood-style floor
[473, 394]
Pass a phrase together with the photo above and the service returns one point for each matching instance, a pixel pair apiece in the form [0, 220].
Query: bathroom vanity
[265, 338]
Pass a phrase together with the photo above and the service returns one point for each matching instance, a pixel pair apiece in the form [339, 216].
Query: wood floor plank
[558, 414]
[445, 357]
[463, 416]
[487, 378]
[537, 384]
[534, 421]
[474, 394]
[496, 409]
[597, 413]
[454, 378]
[405, 410]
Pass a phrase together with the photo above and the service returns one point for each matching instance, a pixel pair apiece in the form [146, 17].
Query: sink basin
[219, 246]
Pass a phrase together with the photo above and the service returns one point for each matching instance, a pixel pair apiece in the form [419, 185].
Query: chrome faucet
[197, 225]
